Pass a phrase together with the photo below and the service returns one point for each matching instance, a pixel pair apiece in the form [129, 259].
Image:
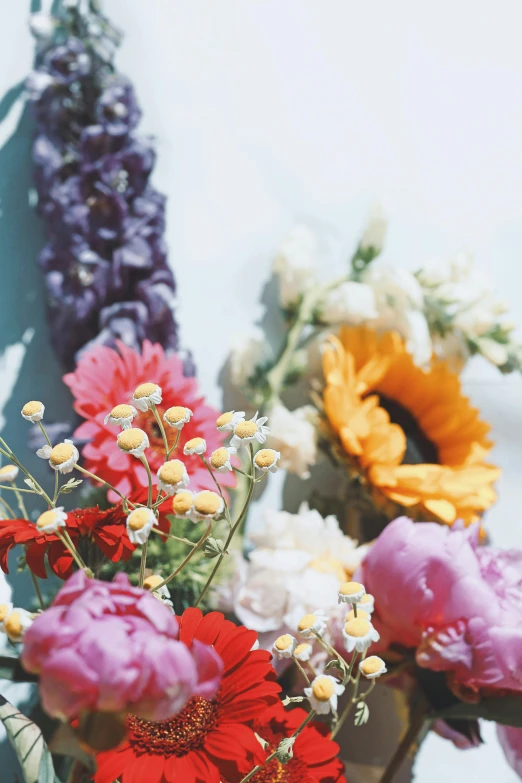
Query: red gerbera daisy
[207, 739]
[315, 758]
[105, 378]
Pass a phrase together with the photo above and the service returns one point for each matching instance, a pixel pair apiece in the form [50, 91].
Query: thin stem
[174, 445]
[8, 508]
[145, 464]
[44, 433]
[162, 430]
[298, 664]
[19, 489]
[407, 743]
[102, 481]
[218, 485]
[367, 692]
[37, 590]
[176, 538]
[143, 562]
[56, 487]
[188, 557]
[12, 457]
[352, 701]
[21, 504]
[68, 544]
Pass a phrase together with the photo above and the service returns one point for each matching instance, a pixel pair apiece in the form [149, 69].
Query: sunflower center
[178, 736]
[419, 448]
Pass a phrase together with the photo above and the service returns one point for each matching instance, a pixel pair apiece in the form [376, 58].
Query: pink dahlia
[105, 378]
[107, 646]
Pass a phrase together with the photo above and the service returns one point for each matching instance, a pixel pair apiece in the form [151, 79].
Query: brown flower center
[178, 736]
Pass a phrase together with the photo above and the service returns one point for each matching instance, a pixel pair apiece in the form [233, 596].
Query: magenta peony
[458, 603]
[111, 647]
[511, 740]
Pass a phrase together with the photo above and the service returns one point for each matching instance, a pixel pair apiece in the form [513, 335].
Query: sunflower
[410, 431]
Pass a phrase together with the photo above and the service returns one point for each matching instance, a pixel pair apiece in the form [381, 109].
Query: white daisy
[367, 603]
[303, 652]
[284, 646]
[227, 421]
[323, 693]
[177, 416]
[266, 460]
[361, 615]
[16, 624]
[248, 431]
[33, 411]
[5, 610]
[183, 504]
[8, 473]
[121, 415]
[372, 667]
[62, 457]
[312, 624]
[139, 524]
[208, 505]
[133, 441]
[195, 446]
[351, 593]
[50, 521]
[146, 395]
[358, 634]
[172, 476]
[220, 459]
[152, 582]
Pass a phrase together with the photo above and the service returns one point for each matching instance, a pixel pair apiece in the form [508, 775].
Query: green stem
[145, 464]
[352, 701]
[174, 445]
[21, 504]
[279, 371]
[68, 544]
[37, 590]
[10, 456]
[298, 664]
[162, 430]
[188, 557]
[143, 562]
[44, 433]
[8, 508]
[19, 489]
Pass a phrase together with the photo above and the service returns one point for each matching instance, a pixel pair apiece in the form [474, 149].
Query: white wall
[270, 110]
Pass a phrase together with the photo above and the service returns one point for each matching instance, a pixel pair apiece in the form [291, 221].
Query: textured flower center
[323, 688]
[351, 588]
[47, 518]
[361, 615]
[139, 518]
[172, 472]
[121, 412]
[219, 458]
[207, 502]
[128, 440]
[32, 407]
[7, 472]
[372, 664]
[13, 624]
[176, 414]
[245, 429]
[366, 599]
[284, 642]
[224, 419]
[194, 443]
[152, 582]
[4, 611]
[178, 736]
[302, 649]
[307, 622]
[61, 453]
[358, 627]
[145, 390]
[265, 458]
[182, 502]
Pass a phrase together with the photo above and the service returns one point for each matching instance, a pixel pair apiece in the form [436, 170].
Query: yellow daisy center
[307, 622]
[8, 470]
[175, 414]
[283, 642]
[13, 624]
[61, 453]
[245, 429]
[121, 412]
[366, 599]
[128, 440]
[4, 611]
[47, 518]
[152, 582]
[182, 502]
[358, 627]
[350, 588]
[219, 458]
[224, 419]
[301, 648]
[172, 472]
[323, 688]
[139, 518]
[360, 615]
[145, 390]
[265, 458]
[372, 664]
[207, 502]
[194, 443]
[32, 407]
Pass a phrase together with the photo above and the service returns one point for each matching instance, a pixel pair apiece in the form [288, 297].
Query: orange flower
[412, 431]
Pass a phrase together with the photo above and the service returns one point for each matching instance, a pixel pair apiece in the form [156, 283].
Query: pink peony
[105, 378]
[112, 647]
[458, 603]
[511, 740]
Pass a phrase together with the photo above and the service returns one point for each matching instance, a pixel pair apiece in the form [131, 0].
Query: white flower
[172, 476]
[195, 446]
[266, 460]
[177, 416]
[367, 603]
[294, 435]
[121, 415]
[372, 667]
[36, 84]
[140, 522]
[153, 583]
[323, 693]
[62, 457]
[133, 441]
[8, 473]
[312, 624]
[208, 505]
[248, 353]
[394, 287]
[42, 25]
[50, 521]
[349, 303]
[249, 431]
[5, 611]
[220, 459]
[351, 593]
[359, 634]
[183, 504]
[375, 231]
[147, 395]
[494, 352]
[16, 624]
[414, 327]
[33, 411]
[227, 421]
[284, 646]
[303, 652]
[296, 264]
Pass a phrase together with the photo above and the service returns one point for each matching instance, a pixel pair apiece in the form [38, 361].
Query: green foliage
[29, 745]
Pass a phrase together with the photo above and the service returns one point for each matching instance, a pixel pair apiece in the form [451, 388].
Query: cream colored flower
[246, 432]
[349, 303]
[8, 473]
[303, 652]
[372, 667]
[296, 264]
[367, 603]
[33, 411]
[220, 459]
[183, 504]
[312, 624]
[16, 624]
[323, 694]
[152, 583]
[172, 476]
[208, 505]
[62, 457]
[147, 395]
[266, 460]
[133, 441]
[294, 435]
[248, 353]
[227, 421]
[52, 520]
[358, 634]
[177, 416]
[375, 231]
[284, 646]
[5, 611]
[195, 446]
[351, 593]
[121, 415]
[140, 522]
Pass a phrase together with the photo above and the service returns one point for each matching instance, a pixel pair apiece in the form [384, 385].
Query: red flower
[207, 740]
[315, 758]
[106, 528]
[105, 378]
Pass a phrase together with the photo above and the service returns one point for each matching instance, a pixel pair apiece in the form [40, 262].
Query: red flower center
[275, 772]
[177, 736]
[146, 421]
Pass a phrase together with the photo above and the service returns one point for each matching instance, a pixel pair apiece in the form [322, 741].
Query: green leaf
[29, 745]
[506, 710]
[362, 714]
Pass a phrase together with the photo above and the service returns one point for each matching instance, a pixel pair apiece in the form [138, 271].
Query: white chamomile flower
[220, 459]
[172, 476]
[122, 415]
[323, 692]
[284, 646]
[152, 583]
[367, 603]
[195, 446]
[372, 667]
[8, 473]
[208, 505]
[146, 395]
[139, 524]
[249, 431]
[177, 416]
[303, 652]
[351, 593]
[313, 623]
[358, 634]
[62, 457]
[133, 441]
[16, 624]
[52, 520]
[5, 611]
[227, 421]
[33, 411]
[183, 504]
[361, 615]
[266, 460]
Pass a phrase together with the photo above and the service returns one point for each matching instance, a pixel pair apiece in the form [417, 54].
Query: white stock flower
[248, 353]
[375, 231]
[296, 264]
[494, 352]
[395, 288]
[414, 327]
[294, 435]
[349, 303]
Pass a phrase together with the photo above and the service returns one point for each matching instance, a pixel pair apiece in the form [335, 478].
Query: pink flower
[458, 603]
[510, 739]
[112, 647]
[105, 378]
